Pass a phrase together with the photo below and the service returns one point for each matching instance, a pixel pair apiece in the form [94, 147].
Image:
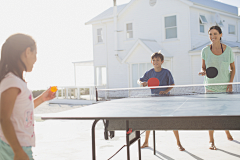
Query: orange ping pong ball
[54, 89]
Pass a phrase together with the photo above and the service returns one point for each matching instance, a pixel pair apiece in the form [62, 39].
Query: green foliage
[37, 93]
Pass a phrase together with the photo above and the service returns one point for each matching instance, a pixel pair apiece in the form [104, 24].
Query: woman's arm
[232, 74]
[203, 72]
[232, 66]
[8, 99]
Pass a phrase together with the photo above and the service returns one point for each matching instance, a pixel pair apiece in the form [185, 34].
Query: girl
[221, 57]
[16, 107]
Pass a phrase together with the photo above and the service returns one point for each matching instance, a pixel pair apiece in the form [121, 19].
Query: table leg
[93, 140]
[139, 149]
[127, 139]
[154, 147]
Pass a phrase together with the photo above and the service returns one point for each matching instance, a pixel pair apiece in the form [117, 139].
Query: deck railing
[77, 92]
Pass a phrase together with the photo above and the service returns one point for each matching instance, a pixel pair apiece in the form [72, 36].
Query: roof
[154, 46]
[107, 14]
[205, 3]
[83, 63]
[228, 43]
[151, 45]
[217, 5]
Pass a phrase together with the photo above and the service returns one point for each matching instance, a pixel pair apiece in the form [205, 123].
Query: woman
[220, 56]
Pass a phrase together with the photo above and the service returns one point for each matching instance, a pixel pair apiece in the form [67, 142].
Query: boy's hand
[48, 95]
[144, 84]
[163, 92]
[202, 73]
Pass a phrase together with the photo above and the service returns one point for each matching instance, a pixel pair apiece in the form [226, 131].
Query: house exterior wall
[198, 38]
[148, 23]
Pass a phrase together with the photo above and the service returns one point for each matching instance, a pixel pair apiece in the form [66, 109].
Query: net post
[96, 93]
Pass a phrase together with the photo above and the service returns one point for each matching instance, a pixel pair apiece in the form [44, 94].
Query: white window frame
[101, 35]
[131, 80]
[96, 75]
[202, 23]
[126, 31]
[170, 39]
[234, 29]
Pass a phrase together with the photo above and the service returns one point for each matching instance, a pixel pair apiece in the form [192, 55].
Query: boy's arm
[144, 84]
[167, 90]
[8, 98]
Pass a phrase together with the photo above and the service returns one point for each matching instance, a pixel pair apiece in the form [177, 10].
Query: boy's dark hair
[157, 54]
[11, 53]
[217, 28]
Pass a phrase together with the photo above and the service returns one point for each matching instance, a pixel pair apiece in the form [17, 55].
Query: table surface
[201, 105]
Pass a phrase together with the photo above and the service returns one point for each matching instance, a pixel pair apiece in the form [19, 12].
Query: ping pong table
[187, 112]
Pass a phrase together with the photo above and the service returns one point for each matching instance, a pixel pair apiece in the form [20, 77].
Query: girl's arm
[8, 98]
[45, 96]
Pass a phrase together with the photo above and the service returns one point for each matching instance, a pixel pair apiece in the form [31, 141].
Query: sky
[58, 26]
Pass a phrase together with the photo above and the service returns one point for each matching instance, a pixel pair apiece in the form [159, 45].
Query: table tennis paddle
[211, 72]
[153, 82]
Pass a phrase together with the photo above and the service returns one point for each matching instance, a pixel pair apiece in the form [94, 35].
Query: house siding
[148, 23]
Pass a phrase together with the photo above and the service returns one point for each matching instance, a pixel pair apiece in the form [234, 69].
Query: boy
[165, 78]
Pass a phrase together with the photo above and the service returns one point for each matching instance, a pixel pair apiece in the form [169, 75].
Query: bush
[37, 93]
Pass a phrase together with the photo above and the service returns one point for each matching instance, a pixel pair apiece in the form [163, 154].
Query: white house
[125, 36]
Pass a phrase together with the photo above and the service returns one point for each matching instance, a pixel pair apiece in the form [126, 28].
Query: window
[129, 30]
[138, 71]
[201, 27]
[202, 21]
[218, 20]
[171, 27]
[231, 29]
[220, 24]
[99, 35]
[101, 76]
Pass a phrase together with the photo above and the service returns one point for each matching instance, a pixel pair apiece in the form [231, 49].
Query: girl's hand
[48, 95]
[229, 88]
[202, 73]
[21, 156]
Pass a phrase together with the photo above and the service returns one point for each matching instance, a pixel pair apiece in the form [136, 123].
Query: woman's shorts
[6, 152]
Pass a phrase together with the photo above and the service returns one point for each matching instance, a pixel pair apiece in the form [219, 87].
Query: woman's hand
[229, 88]
[21, 155]
[48, 95]
[202, 73]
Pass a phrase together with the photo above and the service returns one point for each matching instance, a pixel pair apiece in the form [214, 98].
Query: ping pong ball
[54, 89]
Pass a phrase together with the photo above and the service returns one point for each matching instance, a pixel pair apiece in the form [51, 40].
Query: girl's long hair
[11, 53]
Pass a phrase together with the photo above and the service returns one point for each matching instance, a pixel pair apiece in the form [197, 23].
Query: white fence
[76, 92]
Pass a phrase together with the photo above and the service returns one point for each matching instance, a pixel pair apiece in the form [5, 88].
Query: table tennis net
[177, 90]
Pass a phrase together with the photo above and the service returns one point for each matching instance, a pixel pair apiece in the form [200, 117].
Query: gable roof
[108, 14]
[217, 5]
[150, 45]
[228, 43]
